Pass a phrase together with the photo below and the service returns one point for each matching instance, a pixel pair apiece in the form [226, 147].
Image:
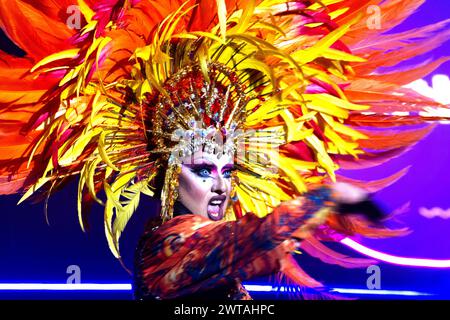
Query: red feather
[318, 250]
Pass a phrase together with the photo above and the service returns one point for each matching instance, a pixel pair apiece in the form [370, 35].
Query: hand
[354, 200]
[347, 193]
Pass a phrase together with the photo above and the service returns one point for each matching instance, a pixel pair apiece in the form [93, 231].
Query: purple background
[427, 182]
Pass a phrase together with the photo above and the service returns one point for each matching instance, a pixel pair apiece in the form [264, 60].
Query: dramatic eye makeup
[227, 171]
[205, 170]
[202, 170]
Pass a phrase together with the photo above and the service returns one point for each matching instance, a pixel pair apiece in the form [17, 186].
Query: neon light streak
[269, 288]
[128, 287]
[404, 261]
[380, 292]
[66, 286]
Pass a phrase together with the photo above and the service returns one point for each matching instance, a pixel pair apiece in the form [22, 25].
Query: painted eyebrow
[202, 161]
[211, 166]
[202, 165]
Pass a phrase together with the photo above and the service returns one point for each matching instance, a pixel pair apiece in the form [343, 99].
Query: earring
[233, 193]
[170, 191]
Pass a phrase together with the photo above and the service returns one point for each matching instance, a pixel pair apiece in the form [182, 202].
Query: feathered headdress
[296, 83]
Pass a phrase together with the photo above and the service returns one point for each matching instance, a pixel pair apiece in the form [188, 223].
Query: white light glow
[404, 261]
[439, 90]
[259, 288]
[380, 292]
[128, 287]
[66, 287]
[268, 288]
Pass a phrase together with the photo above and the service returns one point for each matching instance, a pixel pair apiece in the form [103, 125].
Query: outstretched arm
[190, 252]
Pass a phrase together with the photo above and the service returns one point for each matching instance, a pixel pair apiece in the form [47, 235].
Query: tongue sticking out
[215, 212]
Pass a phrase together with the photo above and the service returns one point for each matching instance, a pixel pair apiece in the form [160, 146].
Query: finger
[367, 207]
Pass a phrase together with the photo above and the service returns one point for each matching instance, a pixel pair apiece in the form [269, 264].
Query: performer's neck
[179, 209]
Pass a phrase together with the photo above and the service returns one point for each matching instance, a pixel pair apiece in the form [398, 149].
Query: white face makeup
[205, 184]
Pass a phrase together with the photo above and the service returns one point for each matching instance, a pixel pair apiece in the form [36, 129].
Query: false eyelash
[198, 170]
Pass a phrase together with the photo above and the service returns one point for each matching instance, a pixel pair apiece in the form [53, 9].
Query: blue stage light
[128, 287]
[66, 286]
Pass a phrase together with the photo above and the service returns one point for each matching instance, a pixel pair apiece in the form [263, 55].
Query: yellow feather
[342, 146]
[222, 14]
[244, 19]
[301, 165]
[293, 176]
[245, 200]
[110, 207]
[43, 137]
[329, 100]
[87, 12]
[323, 157]
[66, 54]
[265, 186]
[81, 184]
[261, 209]
[310, 54]
[103, 153]
[72, 74]
[41, 181]
[105, 41]
[326, 107]
[251, 63]
[203, 60]
[190, 36]
[341, 128]
[77, 147]
[90, 173]
[334, 54]
[322, 76]
[338, 13]
[208, 35]
[172, 20]
[90, 26]
[295, 130]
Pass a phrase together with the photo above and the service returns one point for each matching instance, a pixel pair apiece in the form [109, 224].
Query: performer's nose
[219, 186]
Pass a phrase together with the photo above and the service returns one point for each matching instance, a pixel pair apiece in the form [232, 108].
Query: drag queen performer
[235, 114]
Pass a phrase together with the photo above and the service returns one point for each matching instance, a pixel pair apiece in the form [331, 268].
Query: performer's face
[205, 184]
